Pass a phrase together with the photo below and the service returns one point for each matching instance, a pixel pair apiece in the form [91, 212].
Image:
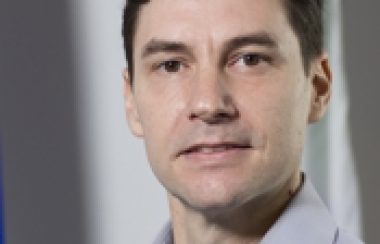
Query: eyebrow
[156, 46]
[259, 39]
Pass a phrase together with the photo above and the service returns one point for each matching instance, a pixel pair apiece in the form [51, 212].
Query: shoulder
[344, 237]
[306, 219]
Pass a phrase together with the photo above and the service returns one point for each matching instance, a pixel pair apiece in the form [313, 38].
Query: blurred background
[72, 171]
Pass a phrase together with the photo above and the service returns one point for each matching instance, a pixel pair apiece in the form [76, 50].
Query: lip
[214, 152]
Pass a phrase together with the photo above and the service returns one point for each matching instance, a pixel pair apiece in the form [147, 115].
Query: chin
[212, 191]
[211, 202]
[208, 207]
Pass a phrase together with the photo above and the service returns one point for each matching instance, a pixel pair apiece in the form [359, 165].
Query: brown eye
[252, 59]
[171, 66]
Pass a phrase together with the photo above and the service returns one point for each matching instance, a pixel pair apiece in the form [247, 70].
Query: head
[222, 93]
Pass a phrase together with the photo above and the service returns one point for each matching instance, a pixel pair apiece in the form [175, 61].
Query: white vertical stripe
[124, 202]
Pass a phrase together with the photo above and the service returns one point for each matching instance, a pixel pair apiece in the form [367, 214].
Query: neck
[245, 224]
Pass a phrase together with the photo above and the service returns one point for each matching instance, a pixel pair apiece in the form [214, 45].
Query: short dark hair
[305, 17]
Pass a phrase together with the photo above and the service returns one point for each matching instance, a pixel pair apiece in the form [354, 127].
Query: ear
[130, 106]
[320, 73]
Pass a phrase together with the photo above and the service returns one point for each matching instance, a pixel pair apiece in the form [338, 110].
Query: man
[222, 91]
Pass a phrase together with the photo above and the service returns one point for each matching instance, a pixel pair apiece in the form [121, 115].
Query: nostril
[214, 117]
[192, 116]
[222, 115]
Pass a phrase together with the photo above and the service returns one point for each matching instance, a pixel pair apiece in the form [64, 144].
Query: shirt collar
[165, 236]
[305, 220]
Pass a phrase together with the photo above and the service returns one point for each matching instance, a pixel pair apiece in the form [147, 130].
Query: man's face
[220, 97]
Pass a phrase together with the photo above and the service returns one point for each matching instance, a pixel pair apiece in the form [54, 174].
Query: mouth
[214, 148]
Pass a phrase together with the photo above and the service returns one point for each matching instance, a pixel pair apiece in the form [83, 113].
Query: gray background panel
[362, 52]
[43, 199]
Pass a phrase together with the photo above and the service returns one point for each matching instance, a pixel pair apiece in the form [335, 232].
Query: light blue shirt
[306, 220]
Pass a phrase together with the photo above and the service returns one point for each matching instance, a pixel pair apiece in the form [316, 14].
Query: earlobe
[132, 114]
[321, 88]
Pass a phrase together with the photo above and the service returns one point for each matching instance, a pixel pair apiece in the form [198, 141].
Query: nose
[211, 101]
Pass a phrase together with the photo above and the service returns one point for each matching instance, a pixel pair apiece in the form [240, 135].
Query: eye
[170, 66]
[251, 59]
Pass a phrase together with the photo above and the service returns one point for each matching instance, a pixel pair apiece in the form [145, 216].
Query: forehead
[195, 21]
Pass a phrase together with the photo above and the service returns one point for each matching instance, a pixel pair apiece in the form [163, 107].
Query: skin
[223, 72]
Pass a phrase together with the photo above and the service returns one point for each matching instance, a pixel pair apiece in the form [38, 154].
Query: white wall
[126, 204]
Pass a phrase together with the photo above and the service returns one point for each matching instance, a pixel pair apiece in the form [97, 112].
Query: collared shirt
[305, 220]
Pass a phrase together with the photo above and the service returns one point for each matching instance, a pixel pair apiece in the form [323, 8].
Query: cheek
[156, 123]
[278, 109]
[159, 110]
[286, 125]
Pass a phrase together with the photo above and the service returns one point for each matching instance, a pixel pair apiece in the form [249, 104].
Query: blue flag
[1, 199]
